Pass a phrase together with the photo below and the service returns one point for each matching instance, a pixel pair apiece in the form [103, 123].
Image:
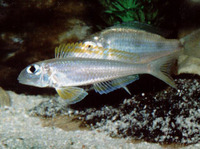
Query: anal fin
[109, 86]
[71, 94]
[127, 90]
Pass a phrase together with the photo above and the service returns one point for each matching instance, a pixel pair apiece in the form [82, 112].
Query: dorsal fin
[143, 26]
[90, 51]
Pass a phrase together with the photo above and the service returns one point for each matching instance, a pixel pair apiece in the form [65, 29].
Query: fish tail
[191, 44]
[161, 68]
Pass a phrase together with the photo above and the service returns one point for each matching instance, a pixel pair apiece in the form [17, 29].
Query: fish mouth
[19, 78]
[25, 81]
[22, 79]
[28, 79]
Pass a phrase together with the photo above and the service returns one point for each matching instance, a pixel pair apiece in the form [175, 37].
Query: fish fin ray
[127, 90]
[143, 26]
[71, 94]
[89, 51]
[161, 68]
[109, 86]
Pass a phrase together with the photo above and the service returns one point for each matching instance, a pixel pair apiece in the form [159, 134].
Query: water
[29, 32]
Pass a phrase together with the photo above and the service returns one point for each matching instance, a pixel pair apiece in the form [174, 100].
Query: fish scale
[87, 71]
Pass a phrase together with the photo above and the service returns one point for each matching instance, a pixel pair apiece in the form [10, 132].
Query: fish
[108, 60]
[147, 41]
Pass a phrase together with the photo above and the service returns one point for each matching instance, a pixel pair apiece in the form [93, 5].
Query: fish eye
[34, 69]
[89, 44]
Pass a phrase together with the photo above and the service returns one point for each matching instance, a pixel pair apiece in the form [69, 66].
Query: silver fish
[139, 38]
[109, 61]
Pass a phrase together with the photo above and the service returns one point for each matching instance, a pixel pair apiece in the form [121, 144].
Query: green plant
[145, 11]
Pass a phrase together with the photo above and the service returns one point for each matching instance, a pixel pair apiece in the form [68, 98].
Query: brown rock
[41, 4]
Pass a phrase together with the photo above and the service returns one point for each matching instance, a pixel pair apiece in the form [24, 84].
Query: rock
[41, 4]
[10, 44]
[4, 98]
[49, 108]
[188, 64]
[65, 123]
[72, 7]
[20, 130]
[78, 30]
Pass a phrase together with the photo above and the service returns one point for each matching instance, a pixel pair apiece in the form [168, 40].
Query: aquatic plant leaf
[142, 16]
[132, 10]
[119, 6]
[108, 11]
[154, 14]
[134, 4]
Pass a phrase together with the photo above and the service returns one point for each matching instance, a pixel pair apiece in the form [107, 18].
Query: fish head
[100, 39]
[34, 75]
[95, 40]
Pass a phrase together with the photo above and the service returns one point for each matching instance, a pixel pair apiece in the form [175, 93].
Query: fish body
[66, 72]
[108, 60]
[147, 45]
[84, 71]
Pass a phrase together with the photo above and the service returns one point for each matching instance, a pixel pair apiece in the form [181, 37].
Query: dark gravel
[168, 116]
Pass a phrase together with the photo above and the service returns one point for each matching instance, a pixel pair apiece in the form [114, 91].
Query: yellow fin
[71, 94]
[90, 51]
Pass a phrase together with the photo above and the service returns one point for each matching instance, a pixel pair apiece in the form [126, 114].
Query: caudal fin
[191, 44]
[161, 68]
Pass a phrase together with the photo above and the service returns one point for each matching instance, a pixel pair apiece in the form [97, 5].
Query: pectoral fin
[72, 94]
